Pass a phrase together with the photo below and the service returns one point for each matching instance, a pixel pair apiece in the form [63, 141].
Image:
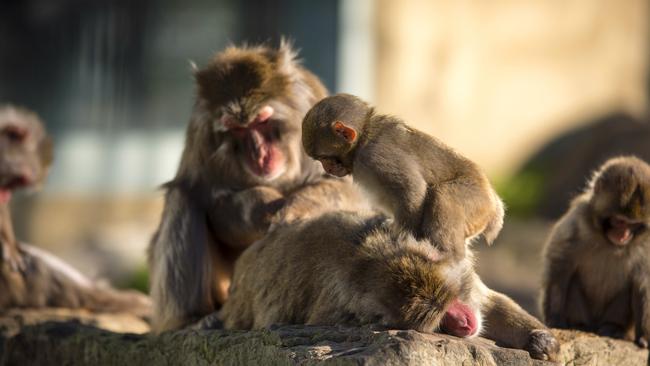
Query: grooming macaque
[242, 170]
[30, 277]
[351, 269]
[597, 270]
[432, 191]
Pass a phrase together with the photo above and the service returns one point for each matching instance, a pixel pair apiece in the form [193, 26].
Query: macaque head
[331, 130]
[460, 320]
[621, 200]
[250, 102]
[25, 151]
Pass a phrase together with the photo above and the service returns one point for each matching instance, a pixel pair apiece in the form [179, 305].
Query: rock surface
[72, 343]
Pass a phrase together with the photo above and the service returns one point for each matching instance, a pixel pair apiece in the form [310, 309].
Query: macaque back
[431, 190]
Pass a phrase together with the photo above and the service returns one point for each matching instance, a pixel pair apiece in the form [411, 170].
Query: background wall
[498, 81]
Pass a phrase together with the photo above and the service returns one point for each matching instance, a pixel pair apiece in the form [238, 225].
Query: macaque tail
[493, 227]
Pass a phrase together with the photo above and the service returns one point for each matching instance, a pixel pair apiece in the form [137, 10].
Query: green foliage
[522, 192]
[139, 280]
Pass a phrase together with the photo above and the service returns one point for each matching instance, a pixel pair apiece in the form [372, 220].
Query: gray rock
[71, 343]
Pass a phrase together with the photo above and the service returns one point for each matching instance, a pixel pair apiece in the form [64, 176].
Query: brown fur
[432, 191]
[355, 269]
[215, 207]
[589, 282]
[30, 277]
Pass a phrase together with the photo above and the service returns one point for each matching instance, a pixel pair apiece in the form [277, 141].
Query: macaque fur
[354, 269]
[597, 257]
[31, 277]
[431, 191]
[242, 170]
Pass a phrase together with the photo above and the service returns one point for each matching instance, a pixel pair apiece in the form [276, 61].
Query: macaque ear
[348, 133]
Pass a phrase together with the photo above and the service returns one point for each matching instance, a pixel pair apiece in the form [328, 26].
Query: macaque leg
[511, 326]
[578, 315]
[615, 322]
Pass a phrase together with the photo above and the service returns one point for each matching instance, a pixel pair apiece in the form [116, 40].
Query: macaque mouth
[620, 230]
[263, 158]
[16, 182]
[459, 320]
[334, 166]
[5, 196]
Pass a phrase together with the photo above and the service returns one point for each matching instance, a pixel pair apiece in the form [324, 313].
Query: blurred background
[538, 93]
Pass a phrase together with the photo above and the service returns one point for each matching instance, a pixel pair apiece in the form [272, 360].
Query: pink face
[263, 158]
[459, 320]
[18, 172]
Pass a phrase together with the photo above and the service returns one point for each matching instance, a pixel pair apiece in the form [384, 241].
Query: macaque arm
[443, 222]
[641, 306]
[560, 272]
[180, 264]
[11, 256]
[240, 218]
[314, 199]
[394, 183]
[511, 326]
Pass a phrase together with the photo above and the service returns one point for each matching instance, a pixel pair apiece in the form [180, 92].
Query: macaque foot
[209, 322]
[612, 331]
[542, 345]
[641, 342]
[12, 258]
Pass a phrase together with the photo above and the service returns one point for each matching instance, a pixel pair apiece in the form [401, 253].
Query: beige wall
[496, 79]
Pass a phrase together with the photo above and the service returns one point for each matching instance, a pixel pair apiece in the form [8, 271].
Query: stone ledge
[72, 343]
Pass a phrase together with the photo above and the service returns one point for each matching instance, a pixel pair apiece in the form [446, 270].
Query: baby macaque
[431, 191]
[31, 277]
[597, 270]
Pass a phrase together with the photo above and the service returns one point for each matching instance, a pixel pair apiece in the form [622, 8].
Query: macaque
[346, 268]
[31, 277]
[597, 257]
[242, 171]
[432, 191]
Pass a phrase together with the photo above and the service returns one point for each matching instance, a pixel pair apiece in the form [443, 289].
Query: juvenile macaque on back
[432, 191]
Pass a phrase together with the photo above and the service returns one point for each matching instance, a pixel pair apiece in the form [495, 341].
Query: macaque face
[256, 139]
[460, 320]
[620, 202]
[25, 151]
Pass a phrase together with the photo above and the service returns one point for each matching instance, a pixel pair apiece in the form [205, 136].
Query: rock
[12, 321]
[58, 343]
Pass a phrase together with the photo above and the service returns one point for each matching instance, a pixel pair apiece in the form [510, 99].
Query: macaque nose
[264, 113]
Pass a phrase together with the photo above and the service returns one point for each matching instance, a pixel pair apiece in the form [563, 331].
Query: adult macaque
[432, 191]
[597, 270]
[347, 268]
[30, 277]
[242, 170]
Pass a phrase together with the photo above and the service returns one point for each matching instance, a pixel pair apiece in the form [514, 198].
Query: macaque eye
[15, 133]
